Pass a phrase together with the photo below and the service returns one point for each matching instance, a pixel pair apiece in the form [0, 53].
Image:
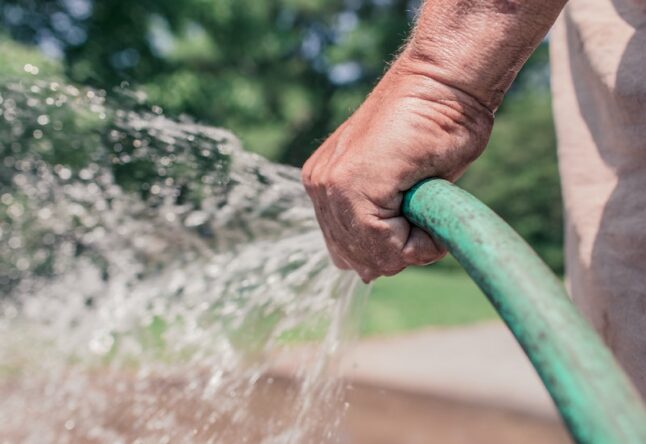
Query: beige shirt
[599, 84]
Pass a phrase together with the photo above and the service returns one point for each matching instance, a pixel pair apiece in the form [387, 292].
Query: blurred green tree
[283, 74]
[517, 175]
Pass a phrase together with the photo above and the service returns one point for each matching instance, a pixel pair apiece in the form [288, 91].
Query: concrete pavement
[480, 364]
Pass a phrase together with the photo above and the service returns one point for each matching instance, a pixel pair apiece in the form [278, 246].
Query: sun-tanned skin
[429, 116]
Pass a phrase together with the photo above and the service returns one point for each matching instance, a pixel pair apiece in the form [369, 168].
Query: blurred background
[281, 75]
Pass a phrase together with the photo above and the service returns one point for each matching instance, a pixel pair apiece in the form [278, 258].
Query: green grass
[414, 299]
[420, 297]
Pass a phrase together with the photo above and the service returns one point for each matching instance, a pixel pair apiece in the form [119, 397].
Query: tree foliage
[280, 73]
[283, 74]
[517, 176]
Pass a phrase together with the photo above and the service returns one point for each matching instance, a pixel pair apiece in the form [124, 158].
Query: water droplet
[6, 199]
[101, 343]
[44, 213]
[31, 69]
[63, 172]
[115, 273]
[15, 210]
[196, 218]
[22, 264]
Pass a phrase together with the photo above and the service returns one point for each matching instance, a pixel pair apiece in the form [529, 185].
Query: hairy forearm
[478, 46]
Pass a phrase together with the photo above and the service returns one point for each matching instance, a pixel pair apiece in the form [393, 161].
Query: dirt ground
[378, 416]
[372, 416]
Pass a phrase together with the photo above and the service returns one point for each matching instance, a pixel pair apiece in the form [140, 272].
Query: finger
[343, 262]
[333, 251]
[367, 275]
[337, 259]
[340, 245]
[421, 249]
[372, 246]
[390, 235]
[335, 219]
[321, 209]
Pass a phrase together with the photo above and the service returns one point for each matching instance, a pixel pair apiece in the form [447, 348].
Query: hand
[411, 127]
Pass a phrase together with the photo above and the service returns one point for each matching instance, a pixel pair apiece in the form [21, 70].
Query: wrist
[484, 84]
[478, 47]
[449, 128]
[432, 84]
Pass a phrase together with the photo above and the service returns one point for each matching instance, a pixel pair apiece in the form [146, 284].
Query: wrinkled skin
[411, 127]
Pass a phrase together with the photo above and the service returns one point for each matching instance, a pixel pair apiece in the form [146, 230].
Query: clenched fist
[411, 127]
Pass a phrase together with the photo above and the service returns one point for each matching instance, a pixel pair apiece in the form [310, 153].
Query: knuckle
[339, 263]
[383, 234]
[393, 268]
[367, 275]
[314, 185]
[388, 264]
[306, 177]
[339, 175]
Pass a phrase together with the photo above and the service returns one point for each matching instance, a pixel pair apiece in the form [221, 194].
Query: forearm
[475, 46]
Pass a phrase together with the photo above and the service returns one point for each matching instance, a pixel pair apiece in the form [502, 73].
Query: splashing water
[150, 270]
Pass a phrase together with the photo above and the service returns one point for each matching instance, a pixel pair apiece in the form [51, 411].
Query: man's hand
[411, 127]
[430, 115]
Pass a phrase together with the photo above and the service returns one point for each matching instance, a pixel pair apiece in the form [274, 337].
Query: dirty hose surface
[593, 395]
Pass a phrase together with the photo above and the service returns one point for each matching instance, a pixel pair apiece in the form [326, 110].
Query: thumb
[421, 248]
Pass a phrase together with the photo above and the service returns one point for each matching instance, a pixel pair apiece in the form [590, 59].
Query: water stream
[150, 272]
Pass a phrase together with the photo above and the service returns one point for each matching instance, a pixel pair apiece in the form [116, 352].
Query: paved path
[480, 364]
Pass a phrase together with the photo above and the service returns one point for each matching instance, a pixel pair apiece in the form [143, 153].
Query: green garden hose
[595, 398]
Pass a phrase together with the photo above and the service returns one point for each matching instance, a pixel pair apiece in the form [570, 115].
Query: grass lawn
[415, 298]
[420, 297]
